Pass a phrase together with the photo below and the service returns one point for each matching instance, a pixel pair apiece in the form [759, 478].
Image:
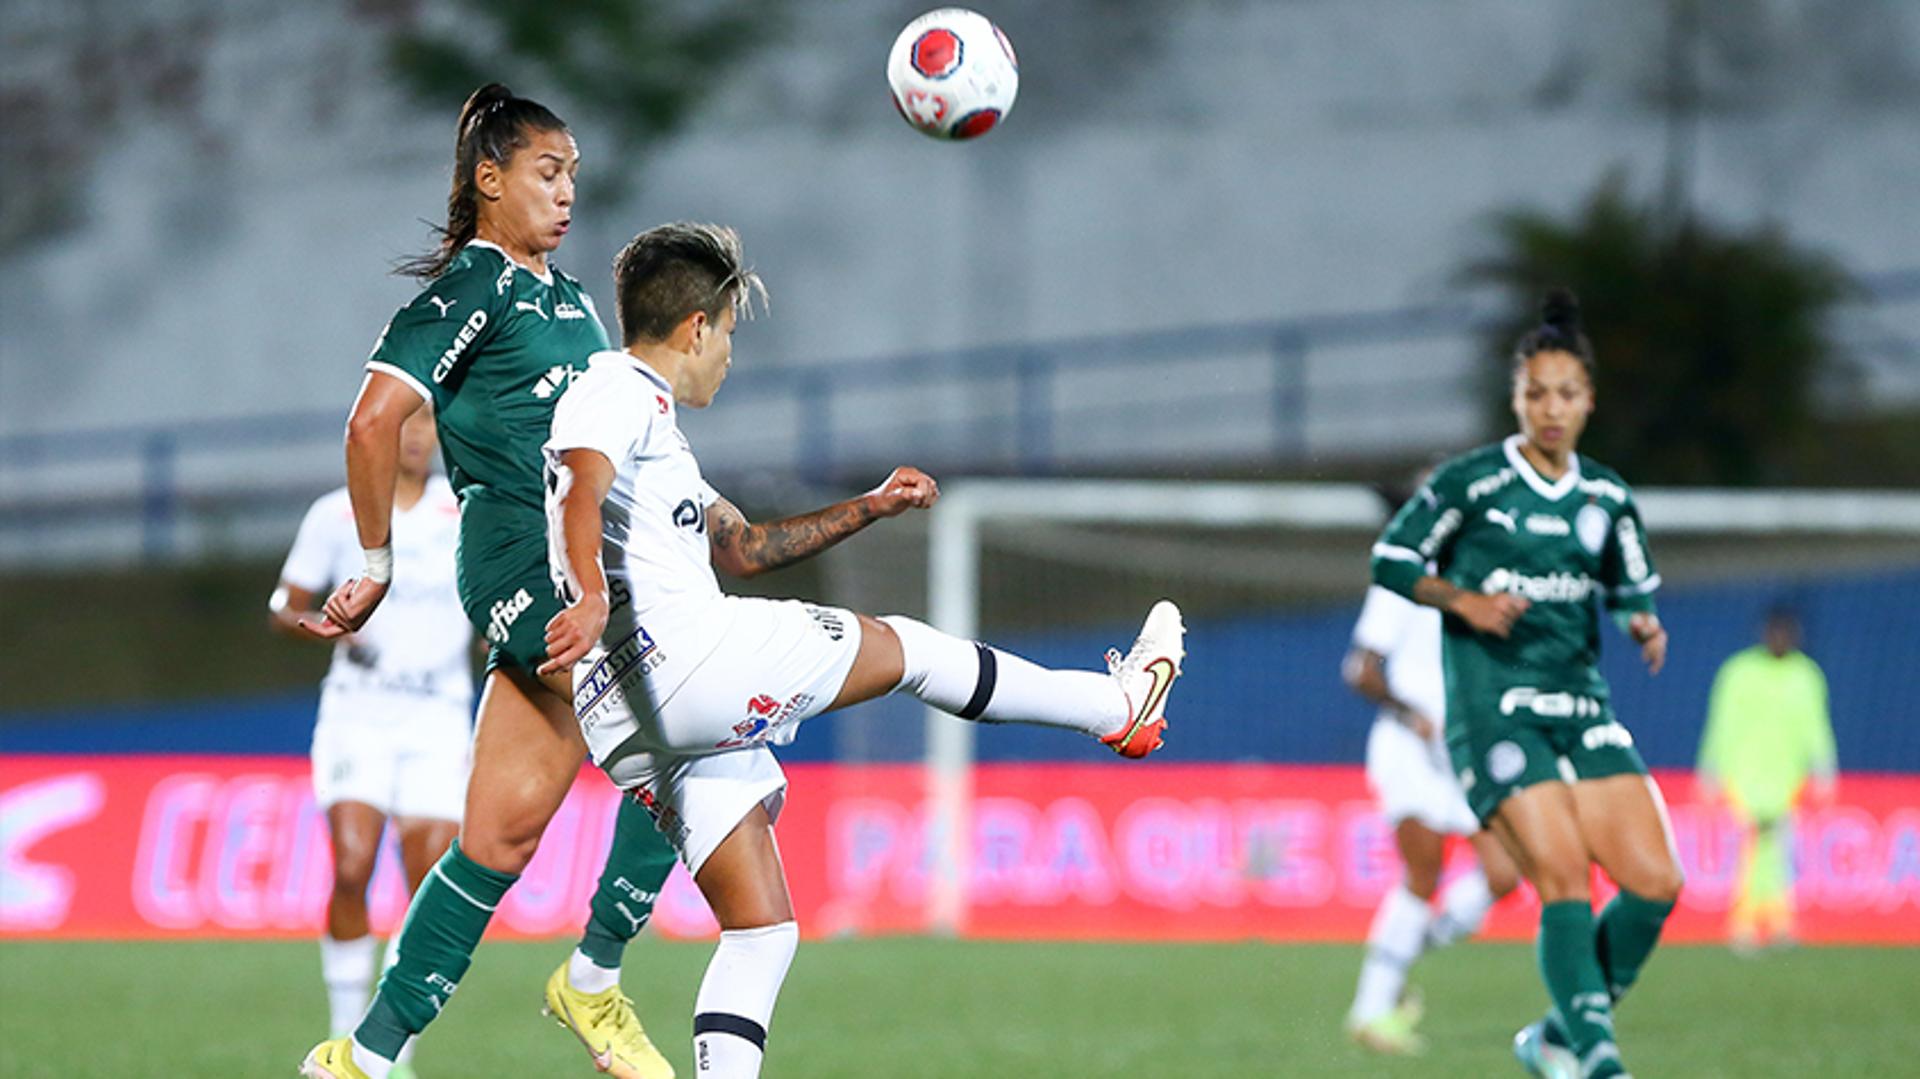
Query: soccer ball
[953, 73]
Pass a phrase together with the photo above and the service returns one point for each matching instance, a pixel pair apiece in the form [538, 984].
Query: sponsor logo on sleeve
[468, 331]
[1632, 554]
[1437, 535]
[443, 305]
[1487, 485]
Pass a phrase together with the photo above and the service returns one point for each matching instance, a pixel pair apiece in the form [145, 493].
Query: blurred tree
[1712, 343]
[641, 67]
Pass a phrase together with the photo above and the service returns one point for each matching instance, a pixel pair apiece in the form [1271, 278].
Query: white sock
[1463, 909]
[1395, 941]
[973, 681]
[588, 976]
[735, 1002]
[346, 966]
[375, 1065]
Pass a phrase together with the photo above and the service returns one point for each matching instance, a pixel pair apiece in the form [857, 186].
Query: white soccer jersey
[656, 553]
[1407, 635]
[418, 642]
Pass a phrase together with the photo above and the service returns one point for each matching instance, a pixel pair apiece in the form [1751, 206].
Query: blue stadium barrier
[1257, 688]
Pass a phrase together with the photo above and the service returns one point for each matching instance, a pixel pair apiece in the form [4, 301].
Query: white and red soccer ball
[953, 73]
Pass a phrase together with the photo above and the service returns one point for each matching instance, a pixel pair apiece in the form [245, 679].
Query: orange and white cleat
[1145, 675]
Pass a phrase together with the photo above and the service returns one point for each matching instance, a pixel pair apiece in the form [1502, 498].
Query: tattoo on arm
[750, 549]
[1435, 592]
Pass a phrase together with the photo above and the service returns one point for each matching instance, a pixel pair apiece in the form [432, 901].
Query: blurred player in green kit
[492, 341]
[1767, 733]
[1513, 543]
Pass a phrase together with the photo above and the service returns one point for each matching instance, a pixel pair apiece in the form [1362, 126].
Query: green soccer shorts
[1532, 737]
[505, 587]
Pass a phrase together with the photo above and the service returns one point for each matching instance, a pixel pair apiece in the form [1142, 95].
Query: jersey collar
[544, 278]
[622, 356]
[1552, 492]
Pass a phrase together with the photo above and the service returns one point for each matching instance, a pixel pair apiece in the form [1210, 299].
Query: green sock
[637, 866]
[1628, 929]
[1571, 968]
[444, 924]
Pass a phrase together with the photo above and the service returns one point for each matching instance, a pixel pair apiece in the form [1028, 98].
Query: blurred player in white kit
[1395, 663]
[396, 708]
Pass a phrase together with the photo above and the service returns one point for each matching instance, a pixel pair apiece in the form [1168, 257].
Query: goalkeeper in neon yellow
[1767, 734]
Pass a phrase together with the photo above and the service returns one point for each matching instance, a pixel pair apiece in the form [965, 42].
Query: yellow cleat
[1394, 1031]
[332, 1060]
[605, 1024]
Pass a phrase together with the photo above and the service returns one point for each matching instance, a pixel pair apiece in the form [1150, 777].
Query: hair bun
[1561, 311]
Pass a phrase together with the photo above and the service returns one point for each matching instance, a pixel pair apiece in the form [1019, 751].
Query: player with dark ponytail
[1512, 542]
[491, 341]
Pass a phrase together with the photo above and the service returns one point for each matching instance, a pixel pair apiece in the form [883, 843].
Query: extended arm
[373, 455]
[584, 478]
[1494, 614]
[744, 549]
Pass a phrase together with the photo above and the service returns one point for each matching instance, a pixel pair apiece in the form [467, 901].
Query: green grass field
[918, 1008]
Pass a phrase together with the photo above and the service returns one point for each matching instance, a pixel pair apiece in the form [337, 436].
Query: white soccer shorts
[1411, 779]
[698, 758]
[698, 801]
[404, 755]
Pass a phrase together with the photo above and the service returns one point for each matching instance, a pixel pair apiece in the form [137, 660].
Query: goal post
[1147, 521]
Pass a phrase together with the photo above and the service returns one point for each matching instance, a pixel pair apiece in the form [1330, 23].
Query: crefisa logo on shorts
[504, 613]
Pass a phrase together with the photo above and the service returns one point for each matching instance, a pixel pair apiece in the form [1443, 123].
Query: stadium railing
[1251, 391]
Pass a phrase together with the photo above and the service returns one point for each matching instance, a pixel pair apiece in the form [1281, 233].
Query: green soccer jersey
[492, 345]
[1488, 522]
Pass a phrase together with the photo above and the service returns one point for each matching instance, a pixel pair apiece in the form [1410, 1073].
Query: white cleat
[1146, 674]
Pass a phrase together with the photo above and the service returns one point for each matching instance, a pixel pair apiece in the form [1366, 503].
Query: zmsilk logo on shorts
[504, 613]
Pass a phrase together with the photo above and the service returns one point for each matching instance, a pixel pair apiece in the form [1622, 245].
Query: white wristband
[379, 563]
